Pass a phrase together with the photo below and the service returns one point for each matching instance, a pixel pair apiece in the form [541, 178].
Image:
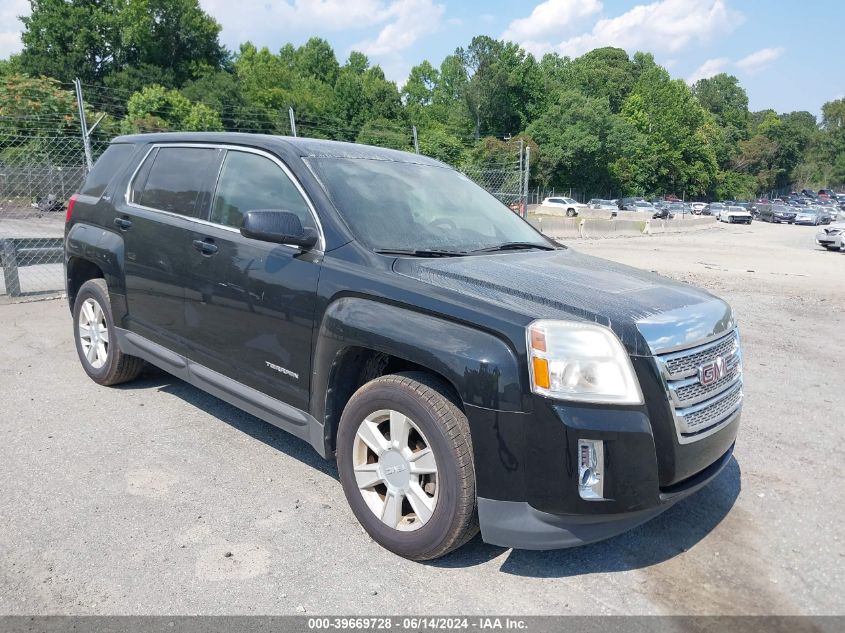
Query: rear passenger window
[249, 182]
[109, 164]
[177, 177]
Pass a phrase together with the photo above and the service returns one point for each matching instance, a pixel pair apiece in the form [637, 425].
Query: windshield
[391, 205]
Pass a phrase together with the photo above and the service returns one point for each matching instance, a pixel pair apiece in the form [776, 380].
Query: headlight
[834, 232]
[580, 361]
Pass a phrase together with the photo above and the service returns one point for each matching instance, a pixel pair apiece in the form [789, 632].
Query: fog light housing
[591, 469]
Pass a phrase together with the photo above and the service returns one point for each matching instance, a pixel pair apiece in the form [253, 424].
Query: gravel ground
[155, 498]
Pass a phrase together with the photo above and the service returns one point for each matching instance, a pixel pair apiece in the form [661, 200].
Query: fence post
[527, 170]
[416, 141]
[86, 140]
[10, 268]
[292, 122]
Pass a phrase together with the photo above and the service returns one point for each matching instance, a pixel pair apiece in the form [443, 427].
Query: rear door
[251, 314]
[164, 199]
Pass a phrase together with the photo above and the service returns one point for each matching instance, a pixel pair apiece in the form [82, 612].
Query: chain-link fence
[43, 162]
[38, 173]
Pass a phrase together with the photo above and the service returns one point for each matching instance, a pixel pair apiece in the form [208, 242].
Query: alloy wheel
[395, 470]
[93, 333]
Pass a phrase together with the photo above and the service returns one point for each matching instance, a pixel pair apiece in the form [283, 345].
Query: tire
[430, 416]
[98, 351]
[571, 213]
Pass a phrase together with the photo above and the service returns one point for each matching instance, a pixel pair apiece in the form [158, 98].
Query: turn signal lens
[541, 373]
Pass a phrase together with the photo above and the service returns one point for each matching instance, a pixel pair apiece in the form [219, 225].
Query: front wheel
[404, 455]
[571, 213]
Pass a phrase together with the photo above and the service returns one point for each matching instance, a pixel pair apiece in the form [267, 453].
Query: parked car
[833, 237]
[809, 193]
[826, 194]
[604, 205]
[735, 215]
[777, 213]
[697, 207]
[572, 206]
[714, 209]
[812, 216]
[640, 205]
[463, 369]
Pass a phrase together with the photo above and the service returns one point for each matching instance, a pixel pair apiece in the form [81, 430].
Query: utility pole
[292, 122]
[416, 141]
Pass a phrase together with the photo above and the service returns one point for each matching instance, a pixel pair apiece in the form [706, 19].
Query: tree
[316, 59]
[171, 40]
[156, 109]
[64, 40]
[576, 141]
[673, 149]
[603, 73]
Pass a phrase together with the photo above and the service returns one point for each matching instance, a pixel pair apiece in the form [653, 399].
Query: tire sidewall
[93, 290]
[426, 538]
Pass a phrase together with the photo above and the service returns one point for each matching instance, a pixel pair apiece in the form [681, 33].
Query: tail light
[70, 204]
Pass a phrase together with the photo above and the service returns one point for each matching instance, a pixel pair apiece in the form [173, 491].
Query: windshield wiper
[514, 246]
[420, 252]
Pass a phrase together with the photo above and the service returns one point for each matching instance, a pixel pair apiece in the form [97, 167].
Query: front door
[251, 315]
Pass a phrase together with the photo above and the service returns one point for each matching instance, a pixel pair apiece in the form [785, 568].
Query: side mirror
[280, 227]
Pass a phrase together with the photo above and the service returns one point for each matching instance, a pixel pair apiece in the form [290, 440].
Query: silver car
[832, 237]
[812, 216]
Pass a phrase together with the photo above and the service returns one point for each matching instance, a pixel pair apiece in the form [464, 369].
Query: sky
[788, 55]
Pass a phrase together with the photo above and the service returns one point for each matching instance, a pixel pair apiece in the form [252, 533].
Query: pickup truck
[465, 372]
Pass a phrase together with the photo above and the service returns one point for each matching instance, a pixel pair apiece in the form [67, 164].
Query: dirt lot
[158, 499]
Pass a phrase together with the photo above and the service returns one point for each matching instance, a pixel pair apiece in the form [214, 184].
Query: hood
[650, 314]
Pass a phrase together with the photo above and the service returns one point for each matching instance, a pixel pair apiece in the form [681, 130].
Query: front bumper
[520, 525]
[830, 241]
[527, 468]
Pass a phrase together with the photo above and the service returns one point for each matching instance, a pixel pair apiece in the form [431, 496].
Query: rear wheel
[404, 456]
[96, 340]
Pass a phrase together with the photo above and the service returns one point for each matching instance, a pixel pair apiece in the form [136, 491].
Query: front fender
[483, 369]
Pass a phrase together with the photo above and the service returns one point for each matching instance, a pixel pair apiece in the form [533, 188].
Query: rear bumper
[519, 525]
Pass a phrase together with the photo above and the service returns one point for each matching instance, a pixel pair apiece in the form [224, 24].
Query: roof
[307, 147]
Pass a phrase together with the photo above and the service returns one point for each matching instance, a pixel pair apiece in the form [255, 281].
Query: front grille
[698, 408]
[685, 363]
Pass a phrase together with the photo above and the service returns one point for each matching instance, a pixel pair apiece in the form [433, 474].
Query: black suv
[464, 370]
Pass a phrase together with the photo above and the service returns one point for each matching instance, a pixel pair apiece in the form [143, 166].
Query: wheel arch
[353, 348]
[94, 253]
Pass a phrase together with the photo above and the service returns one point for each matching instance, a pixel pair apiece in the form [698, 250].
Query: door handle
[206, 246]
[123, 223]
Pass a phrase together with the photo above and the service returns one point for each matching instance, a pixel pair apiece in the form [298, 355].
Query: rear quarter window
[112, 161]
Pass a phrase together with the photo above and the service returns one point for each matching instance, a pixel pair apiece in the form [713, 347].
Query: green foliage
[604, 123]
[385, 133]
[169, 40]
[671, 148]
[156, 109]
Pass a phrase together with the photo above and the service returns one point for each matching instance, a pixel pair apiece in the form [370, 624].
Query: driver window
[249, 182]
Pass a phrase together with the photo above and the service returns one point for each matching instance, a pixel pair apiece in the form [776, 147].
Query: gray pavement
[154, 498]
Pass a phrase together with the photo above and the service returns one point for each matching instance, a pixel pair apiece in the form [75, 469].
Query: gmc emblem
[712, 372]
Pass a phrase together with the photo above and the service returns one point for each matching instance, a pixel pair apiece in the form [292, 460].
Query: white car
[735, 215]
[697, 207]
[572, 206]
[832, 237]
